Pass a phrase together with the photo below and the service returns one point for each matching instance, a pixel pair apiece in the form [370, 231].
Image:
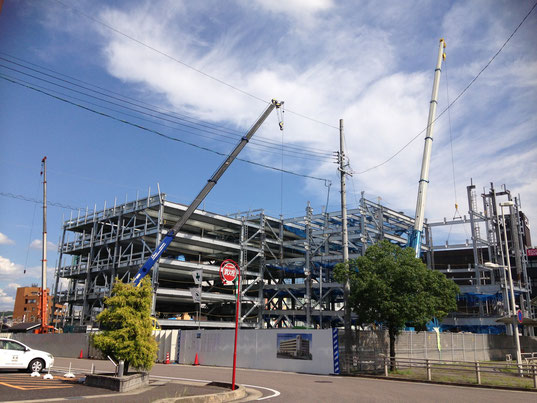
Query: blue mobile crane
[202, 194]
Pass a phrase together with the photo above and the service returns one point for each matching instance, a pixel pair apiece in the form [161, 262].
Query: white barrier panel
[295, 350]
[167, 341]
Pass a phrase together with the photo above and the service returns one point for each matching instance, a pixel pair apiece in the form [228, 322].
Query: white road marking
[274, 391]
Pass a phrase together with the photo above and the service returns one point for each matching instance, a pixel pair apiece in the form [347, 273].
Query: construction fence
[370, 347]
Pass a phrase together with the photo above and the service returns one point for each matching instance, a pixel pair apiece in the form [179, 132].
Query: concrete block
[118, 384]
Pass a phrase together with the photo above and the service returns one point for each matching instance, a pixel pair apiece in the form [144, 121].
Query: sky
[72, 73]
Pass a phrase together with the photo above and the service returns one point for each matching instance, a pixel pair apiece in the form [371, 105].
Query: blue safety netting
[474, 299]
[295, 231]
[287, 269]
[491, 329]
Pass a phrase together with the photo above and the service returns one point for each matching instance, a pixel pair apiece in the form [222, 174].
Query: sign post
[198, 279]
[229, 270]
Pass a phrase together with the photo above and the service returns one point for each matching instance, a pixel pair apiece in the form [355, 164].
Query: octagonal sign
[228, 271]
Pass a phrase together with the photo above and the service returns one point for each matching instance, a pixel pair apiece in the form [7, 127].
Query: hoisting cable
[456, 213]
[32, 226]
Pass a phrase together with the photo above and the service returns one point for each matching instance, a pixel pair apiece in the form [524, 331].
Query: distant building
[27, 307]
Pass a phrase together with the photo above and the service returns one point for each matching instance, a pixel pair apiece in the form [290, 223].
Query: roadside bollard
[120, 368]
[92, 368]
[69, 374]
[385, 366]
[534, 370]
[477, 373]
[429, 376]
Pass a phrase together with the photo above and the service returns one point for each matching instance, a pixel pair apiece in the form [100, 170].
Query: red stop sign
[228, 271]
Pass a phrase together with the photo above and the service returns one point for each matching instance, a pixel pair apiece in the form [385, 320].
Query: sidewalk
[21, 387]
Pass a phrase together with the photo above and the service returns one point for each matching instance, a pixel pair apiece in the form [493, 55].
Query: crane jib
[154, 257]
[201, 196]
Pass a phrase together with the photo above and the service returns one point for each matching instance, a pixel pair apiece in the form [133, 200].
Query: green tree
[127, 329]
[390, 286]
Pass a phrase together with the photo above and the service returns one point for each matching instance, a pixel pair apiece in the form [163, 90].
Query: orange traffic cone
[167, 358]
[81, 354]
[196, 361]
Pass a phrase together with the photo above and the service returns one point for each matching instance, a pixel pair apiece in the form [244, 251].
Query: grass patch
[465, 374]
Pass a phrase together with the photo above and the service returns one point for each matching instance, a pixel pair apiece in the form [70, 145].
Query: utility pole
[44, 253]
[345, 242]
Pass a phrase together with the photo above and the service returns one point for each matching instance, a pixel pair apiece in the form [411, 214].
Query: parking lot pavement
[16, 386]
[20, 386]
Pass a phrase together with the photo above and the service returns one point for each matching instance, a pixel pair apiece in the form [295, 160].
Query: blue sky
[368, 62]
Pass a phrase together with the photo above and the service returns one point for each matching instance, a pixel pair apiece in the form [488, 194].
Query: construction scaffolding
[286, 264]
[484, 305]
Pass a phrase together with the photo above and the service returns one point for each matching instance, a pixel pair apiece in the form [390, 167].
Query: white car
[14, 354]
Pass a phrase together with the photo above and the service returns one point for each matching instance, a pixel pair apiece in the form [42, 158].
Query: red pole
[236, 326]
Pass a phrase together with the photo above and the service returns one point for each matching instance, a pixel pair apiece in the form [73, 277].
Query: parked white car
[14, 354]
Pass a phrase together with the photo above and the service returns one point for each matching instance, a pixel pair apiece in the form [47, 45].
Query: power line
[456, 98]
[296, 152]
[32, 200]
[291, 153]
[166, 136]
[117, 31]
[137, 102]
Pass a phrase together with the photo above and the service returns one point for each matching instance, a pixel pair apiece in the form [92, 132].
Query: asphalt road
[278, 386]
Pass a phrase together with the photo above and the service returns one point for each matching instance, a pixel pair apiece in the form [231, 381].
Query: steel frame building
[484, 305]
[286, 264]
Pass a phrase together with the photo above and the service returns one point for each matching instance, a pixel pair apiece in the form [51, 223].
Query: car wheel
[36, 365]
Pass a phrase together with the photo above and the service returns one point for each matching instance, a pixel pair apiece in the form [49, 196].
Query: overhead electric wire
[257, 146]
[152, 108]
[32, 200]
[294, 153]
[456, 98]
[117, 31]
[29, 86]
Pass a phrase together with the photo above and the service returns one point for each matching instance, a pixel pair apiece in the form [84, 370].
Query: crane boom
[202, 194]
[414, 240]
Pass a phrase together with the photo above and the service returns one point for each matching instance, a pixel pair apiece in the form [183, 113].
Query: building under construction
[286, 264]
[498, 239]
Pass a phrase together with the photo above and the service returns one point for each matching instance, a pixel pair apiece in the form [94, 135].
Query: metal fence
[368, 348]
[434, 368]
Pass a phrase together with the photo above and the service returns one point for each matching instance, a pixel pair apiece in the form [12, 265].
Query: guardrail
[442, 366]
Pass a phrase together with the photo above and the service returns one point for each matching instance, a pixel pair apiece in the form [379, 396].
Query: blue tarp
[473, 298]
[498, 329]
[296, 269]
[296, 231]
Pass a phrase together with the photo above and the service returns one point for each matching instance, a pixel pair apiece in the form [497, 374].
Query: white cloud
[7, 267]
[4, 240]
[296, 8]
[6, 301]
[371, 65]
[38, 244]
[12, 274]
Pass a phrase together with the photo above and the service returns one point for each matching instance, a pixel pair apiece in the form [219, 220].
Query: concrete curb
[226, 396]
[469, 385]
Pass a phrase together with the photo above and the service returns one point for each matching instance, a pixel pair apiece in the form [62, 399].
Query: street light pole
[512, 291]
